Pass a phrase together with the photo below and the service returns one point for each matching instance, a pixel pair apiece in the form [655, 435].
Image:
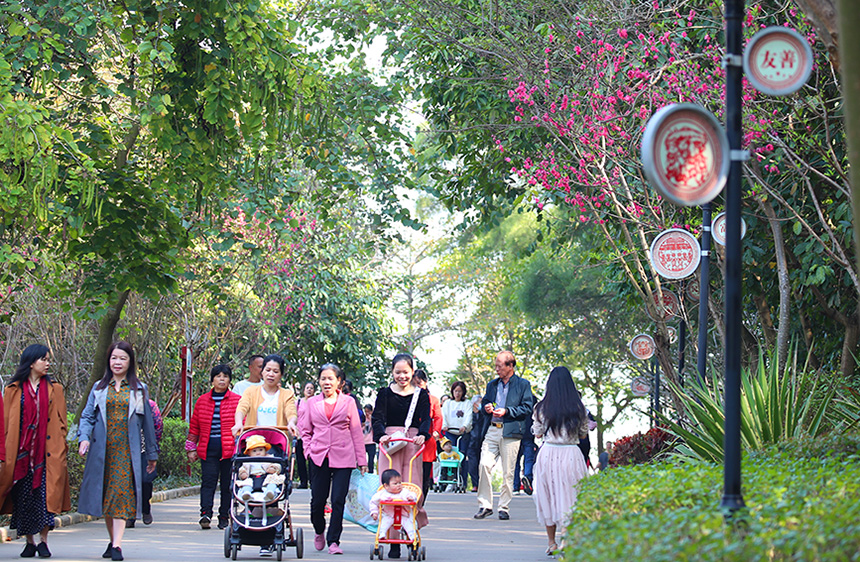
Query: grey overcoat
[93, 428]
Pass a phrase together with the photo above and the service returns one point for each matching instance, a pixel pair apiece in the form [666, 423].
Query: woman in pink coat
[330, 429]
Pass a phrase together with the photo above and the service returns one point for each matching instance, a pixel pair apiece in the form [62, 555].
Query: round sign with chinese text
[640, 386]
[669, 308]
[693, 290]
[778, 61]
[642, 346]
[673, 334]
[675, 254]
[718, 229]
[685, 154]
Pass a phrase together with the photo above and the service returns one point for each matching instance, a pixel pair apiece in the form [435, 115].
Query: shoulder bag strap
[412, 408]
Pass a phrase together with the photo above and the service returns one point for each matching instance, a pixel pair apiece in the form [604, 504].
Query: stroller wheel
[279, 551]
[300, 543]
[227, 542]
[233, 552]
[422, 552]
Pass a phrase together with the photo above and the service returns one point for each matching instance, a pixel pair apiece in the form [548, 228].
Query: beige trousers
[496, 447]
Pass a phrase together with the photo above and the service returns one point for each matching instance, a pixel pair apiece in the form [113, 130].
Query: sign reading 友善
[778, 61]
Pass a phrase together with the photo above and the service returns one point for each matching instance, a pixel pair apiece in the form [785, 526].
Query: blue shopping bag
[357, 508]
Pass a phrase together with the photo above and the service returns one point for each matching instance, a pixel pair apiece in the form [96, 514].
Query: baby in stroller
[273, 480]
[392, 491]
[449, 469]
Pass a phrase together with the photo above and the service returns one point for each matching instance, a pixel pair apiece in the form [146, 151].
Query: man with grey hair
[508, 403]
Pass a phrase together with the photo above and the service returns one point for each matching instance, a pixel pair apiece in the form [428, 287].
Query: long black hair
[130, 376]
[402, 357]
[561, 407]
[30, 355]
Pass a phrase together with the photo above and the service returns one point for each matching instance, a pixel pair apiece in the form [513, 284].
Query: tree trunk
[849, 347]
[823, 16]
[107, 327]
[784, 284]
[849, 23]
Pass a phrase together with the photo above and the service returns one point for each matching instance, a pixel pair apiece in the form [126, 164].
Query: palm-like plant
[774, 407]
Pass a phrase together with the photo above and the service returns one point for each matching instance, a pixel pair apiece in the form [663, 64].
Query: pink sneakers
[334, 548]
[319, 542]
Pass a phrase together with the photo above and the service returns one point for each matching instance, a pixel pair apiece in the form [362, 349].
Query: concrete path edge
[75, 518]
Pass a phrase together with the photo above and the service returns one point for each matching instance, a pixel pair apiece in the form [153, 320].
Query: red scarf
[34, 431]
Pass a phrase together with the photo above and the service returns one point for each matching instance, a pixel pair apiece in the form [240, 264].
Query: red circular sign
[778, 61]
[642, 346]
[693, 290]
[640, 386]
[718, 229]
[685, 154]
[675, 254]
[669, 308]
[673, 334]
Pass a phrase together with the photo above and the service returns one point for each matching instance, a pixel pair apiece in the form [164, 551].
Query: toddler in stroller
[392, 495]
[249, 472]
[260, 507]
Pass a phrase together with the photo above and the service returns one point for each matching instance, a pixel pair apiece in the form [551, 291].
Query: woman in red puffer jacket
[210, 441]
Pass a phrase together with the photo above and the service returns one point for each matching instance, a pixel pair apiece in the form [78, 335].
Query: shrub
[172, 459]
[798, 508]
[775, 406]
[641, 448]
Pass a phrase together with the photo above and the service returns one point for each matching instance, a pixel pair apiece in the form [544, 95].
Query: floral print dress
[119, 489]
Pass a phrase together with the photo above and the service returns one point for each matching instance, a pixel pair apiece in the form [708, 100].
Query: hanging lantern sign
[640, 386]
[670, 306]
[693, 290]
[675, 254]
[685, 154]
[642, 346]
[718, 229]
[778, 61]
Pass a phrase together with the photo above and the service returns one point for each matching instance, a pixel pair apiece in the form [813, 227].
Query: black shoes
[108, 551]
[205, 522]
[482, 513]
[129, 523]
[394, 551]
[29, 550]
[503, 515]
[147, 519]
[42, 550]
[223, 522]
[527, 485]
[116, 554]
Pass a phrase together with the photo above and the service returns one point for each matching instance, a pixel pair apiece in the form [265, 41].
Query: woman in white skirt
[561, 420]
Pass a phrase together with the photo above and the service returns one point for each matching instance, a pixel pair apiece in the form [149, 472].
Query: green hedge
[801, 505]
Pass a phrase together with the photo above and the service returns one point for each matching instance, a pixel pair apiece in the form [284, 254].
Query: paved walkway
[176, 537]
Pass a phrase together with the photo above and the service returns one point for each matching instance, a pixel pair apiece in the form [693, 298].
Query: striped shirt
[215, 432]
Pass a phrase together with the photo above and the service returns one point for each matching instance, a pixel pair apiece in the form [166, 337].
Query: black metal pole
[732, 497]
[704, 293]
[657, 409]
[682, 348]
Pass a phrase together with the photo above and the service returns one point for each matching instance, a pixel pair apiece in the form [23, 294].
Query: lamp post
[733, 500]
[704, 294]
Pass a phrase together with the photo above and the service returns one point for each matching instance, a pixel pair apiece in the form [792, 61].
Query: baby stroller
[402, 509]
[263, 522]
[449, 474]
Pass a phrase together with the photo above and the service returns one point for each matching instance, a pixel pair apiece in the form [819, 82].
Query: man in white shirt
[255, 376]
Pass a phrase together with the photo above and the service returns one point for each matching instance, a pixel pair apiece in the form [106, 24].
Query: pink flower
[622, 33]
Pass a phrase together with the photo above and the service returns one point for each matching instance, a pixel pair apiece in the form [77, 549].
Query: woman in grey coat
[115, 423]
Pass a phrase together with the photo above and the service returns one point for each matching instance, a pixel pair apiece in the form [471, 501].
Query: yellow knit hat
[255, 441]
